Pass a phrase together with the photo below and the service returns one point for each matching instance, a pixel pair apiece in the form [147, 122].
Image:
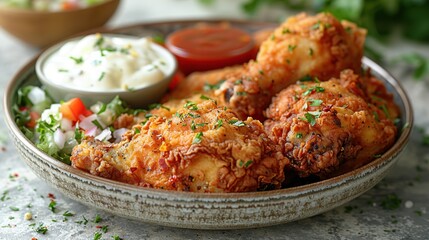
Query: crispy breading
[338, 124]
[319, 46]
[201, 148]
[197, 81]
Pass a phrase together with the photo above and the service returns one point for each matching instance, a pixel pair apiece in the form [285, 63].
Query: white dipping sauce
[98, 62]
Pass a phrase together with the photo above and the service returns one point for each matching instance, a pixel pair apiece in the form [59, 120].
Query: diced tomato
[69, 5]
[73, 108]
[33, 118]
[177, 78]
[87, 112]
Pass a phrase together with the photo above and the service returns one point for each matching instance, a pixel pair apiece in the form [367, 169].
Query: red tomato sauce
[210, 47]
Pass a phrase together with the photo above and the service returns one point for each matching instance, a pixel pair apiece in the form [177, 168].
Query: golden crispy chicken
[198, 82]
[201, 148]
[318, 46]
[322, 126]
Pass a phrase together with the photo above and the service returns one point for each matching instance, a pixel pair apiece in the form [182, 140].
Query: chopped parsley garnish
[158, 106]
[4, 195]
[310, 52]
[197, 138]
[97, 124]
[425, 140]
[315, 26]
[97, 219]
[377, 118]
[291, 48]
[101, 76]
[97, 235]
[315, 102]
[208, 87]
[102, 108]
[204, 97]
[241, 93]
[385, 111]
[311, 117]
[391, 202]
[349, 209]
[99, 41]
[306, 78]
[124, 51]
[193, 115]
[116, 237]
[246, 164]
[41, 229]
[237, 123]
[105, 228]
[68, 214]
[78, 134]
[193, 127]
[191, 105]
[196, 125]
[84, 221]
[78, 60]
[218, 124]
[52, 206]
[285, 30]
[298, 135]
[158, 39]
[312, 89]
[14, 209]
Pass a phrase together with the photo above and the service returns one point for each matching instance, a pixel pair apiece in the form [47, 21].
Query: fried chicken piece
[201, 148]
[338, 124]
[318, 46]
[197, 81]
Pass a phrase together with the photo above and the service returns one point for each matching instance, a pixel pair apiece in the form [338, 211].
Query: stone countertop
[363, 218]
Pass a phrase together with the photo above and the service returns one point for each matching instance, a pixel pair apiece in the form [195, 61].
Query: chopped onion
[69, 134]
[117, 134]
[107, 117]
[86, 123]
[66, 124]
[105, 135]
[91, 132]
[53, 111]
[59, 138]
[36, 95]
[68, 146]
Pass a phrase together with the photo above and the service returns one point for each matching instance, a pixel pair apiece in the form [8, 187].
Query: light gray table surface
[362, 218]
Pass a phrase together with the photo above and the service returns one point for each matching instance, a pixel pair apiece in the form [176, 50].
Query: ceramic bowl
[209, 211]
[138, 97]
[42, 28]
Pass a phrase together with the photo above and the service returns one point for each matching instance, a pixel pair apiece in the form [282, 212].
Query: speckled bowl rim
[388, 158]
